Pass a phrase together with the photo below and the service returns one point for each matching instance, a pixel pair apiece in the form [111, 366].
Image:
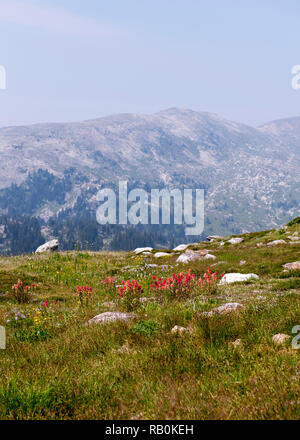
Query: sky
[73, 60]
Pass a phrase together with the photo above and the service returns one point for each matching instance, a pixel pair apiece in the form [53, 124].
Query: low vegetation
[55, 366]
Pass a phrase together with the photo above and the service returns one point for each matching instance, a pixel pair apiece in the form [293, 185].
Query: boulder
[280, 339]
[225, 309]
[276, 242]
[292, 266]
[181, 247]
[238, 278]
[145, 249]
[110, 317]
[236, 240]
[50, 246]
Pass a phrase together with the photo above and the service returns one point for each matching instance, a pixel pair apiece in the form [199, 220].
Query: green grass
[139, 369]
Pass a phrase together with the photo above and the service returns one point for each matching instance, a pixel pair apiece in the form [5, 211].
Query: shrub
[145, 328]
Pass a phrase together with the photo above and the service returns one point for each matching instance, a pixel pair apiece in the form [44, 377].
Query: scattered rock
[280, 339]
[178, 329]
[237, 278]
[161, 254]
[225, 309]
[181, 247]
[222, 244]
[50, 246]
[145, 249]
[209, 257]
[276, 242]
[242, 262]
[260, 244]
[292, 266]
[110, 317]
[190, 255]
[236, 240]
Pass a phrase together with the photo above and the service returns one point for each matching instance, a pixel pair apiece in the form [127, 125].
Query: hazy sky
[69, 60]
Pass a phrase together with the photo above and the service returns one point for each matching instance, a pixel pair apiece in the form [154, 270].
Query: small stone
[280, 339]
[242, 262]
[236, 343]
[178, 329]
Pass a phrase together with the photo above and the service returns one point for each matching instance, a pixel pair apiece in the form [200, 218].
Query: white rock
[236, 240]
[238, 278]
[236, 343]
[190, 255]
[292, 266]
[276, 242]
[161, 254]
[209, 257]
[181, 247]
[280, 339]
[50, 246]
[145, 249]
[110, 317]
[242, 262]
[178, 329]
[225, 309]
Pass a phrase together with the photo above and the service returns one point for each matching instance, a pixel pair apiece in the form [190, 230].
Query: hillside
[64, 360]
[250, 175]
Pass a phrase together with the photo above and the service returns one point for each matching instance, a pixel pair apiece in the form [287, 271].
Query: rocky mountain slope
[251, 175]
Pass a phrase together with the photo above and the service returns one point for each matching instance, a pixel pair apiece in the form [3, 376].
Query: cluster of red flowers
[180, 284]
[21, 292]
[84, 293]
[184, 284]
[209, 280]
[130, 288]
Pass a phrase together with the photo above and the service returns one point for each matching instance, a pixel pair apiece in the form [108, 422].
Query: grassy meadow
[57, 367]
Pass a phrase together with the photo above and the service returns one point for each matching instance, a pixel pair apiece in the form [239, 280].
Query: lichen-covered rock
[190, 255]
